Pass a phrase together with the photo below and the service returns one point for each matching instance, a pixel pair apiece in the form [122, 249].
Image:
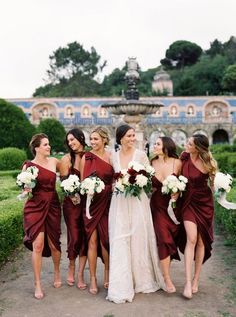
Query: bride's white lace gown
[134, 263]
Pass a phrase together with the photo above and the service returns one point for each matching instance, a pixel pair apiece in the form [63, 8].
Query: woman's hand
[75, 199]
[174, 196]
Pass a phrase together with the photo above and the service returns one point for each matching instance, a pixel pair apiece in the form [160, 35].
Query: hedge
[227, 218]
[11, 158]
[11, 227]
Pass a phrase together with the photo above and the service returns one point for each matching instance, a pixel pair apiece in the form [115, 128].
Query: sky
[31, 30]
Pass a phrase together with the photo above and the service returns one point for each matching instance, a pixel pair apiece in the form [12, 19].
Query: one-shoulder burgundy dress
[165, 229]
[42, 212]
[99, 208]
[73, 215]
[198, 205]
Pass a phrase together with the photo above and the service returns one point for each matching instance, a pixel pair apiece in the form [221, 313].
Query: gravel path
[213, 300]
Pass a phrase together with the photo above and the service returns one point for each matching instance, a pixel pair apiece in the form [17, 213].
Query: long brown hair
[201, 143]
[78, 135]
[168, 148]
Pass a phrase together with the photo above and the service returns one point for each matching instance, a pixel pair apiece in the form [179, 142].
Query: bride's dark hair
[121, 131]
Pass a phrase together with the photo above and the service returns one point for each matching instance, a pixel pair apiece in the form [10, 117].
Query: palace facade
[179, 118]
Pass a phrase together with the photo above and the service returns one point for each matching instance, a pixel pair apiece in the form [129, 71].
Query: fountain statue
[130, 106]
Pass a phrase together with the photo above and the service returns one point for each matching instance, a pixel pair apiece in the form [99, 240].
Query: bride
[134, 263]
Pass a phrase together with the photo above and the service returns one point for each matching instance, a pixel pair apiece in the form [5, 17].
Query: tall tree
[15, 128]
[66, 62]
[216, 48]
[72, 72]
[205, 77]
[55, 132]
[181, 54]
[229, 79]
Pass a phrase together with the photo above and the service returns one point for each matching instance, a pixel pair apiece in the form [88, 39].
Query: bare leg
[71, 273]
[199, 256]
[106, 264]
[82, 262]
[56, 256]
[165, 266]
[38, 245]
[191, 231]
[92, 258]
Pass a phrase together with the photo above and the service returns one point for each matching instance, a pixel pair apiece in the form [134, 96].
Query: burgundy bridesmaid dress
[76, 239]
[165, 229]
[198, 205]
[42, 212]
[99, 208]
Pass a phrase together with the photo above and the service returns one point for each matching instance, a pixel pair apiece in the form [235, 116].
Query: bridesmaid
[165, 163]
[42, 213]
[97, 162]
[72, 208]
[199, 167]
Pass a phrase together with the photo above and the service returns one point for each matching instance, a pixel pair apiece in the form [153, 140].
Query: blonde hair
[103, 134]
[201, 143]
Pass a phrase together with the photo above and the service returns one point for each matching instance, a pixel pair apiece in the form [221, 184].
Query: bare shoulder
[53, 160]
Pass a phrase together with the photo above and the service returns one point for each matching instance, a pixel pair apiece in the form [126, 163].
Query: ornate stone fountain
[131, 107]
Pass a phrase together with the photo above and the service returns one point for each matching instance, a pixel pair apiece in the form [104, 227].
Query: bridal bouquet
[171, 185]
[71, 187]
[222, 186]
[133, 180]
[89, 186]
[26, 180]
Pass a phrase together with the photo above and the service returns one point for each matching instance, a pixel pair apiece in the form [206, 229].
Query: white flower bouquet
[133, 180]
[222, 182]
[172, 185]
[90, 186]
[71, 187]
[222, 186]
[26, 180]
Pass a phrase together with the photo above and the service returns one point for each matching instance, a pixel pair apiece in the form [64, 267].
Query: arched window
[69, 112]
[102, 113]
[173, 111]
[179, 137]
[190, 111]
[86, 113]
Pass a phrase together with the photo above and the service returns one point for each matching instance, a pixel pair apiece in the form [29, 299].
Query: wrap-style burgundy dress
[99, 208]
[197, 204]
[165, 229]
[42, 212]
[73, 215]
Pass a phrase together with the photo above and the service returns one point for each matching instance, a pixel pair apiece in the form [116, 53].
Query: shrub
[55, 132]
[11, 228]
[227, 219]
[11, 158]
[15, 128]
[226, 162]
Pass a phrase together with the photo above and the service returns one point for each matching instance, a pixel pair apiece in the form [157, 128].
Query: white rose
[141, 180]
[183, 179]
[181, 186]
[164, 190]
[136, 166]
[150, 170]
[119, 186]
[174, 190]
